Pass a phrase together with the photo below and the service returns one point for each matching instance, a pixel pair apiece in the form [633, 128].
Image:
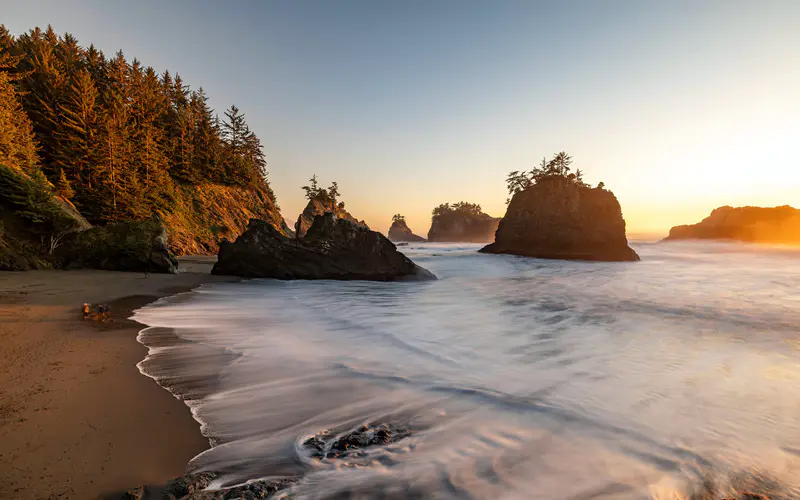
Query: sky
[677, 106]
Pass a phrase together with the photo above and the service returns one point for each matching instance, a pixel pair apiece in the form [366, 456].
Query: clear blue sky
[678, 106]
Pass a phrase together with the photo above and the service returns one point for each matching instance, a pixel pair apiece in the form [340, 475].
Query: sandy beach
[77, 419]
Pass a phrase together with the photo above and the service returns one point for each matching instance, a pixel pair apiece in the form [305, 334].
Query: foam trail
[512, 375]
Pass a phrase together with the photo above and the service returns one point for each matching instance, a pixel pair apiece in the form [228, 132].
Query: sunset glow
[677, 107]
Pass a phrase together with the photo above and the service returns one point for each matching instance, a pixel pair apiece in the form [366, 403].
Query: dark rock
[333, 248]
[186, 485]
[401, 232]
[559, 219]
[324, 445]
[462, 226]
[320, 206]
[748, 224]
[124, 246]
[134, 494]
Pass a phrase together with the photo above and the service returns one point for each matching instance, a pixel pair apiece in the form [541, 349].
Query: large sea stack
[332, 248]
[748, 224]
[400, 232]
[558, 218]
[461, 223]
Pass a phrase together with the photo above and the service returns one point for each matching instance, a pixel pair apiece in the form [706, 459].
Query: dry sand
[77, 419]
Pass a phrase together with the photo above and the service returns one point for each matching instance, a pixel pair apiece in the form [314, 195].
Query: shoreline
[78, 419]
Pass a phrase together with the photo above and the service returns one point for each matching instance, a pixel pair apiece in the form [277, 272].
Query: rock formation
[319, 206]
[123, 246]
[399, 231]
[461, 222]
[332, 248]
[748, 224]
[558, 218]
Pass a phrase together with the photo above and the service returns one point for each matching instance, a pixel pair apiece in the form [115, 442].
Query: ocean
[509, 377]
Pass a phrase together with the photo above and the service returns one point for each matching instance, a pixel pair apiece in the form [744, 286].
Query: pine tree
[63, 187]
[8, 59]
[17, 144]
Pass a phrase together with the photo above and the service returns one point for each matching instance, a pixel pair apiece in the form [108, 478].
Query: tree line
[112, 135]
[556, 168]
[461, 207]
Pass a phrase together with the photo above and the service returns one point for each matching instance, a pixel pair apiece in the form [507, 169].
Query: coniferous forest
[115, 137]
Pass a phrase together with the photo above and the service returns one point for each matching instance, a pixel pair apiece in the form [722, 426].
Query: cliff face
[749, 224]
[462, 227]
[319, 207]
[33, 221]
[559, 219]
[41, 230]
[401, 232]
[206, 213]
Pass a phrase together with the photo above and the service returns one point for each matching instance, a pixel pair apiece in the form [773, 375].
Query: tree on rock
[555, 169]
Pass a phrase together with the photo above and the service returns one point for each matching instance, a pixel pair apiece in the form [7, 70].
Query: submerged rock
[325, 445]
[194, 487]
[748, 224]
[560, 219]
[333, 248]
[461, 223]
[123, 246]
[400, 232]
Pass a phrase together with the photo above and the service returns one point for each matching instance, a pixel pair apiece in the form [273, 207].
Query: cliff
[38, 229]
[557, 218]
[33, 220]
[319, 206]
[399, 231]
[203, 214]
[748, 224]
[450, 225]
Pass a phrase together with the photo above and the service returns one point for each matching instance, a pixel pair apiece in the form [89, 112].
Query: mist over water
[516, 377]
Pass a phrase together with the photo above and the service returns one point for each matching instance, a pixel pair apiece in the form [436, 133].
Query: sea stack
[400, 232]
[559, 218]
[461, 222]
[332, 248]
[320, 205]
[780, 225]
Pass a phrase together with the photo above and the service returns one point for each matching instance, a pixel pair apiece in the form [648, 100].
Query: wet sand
[77, 419]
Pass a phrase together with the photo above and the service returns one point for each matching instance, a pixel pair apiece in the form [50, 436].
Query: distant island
[748, 224]
[553, 214]
[461, 222]
[400, 232]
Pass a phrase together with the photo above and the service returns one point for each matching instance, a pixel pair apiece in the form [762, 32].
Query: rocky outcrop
[399, 231]
[560, 219]
[320, 206]
[124, 246]
[32, 220]
[332, 248]
[748, 224]
[450, 225]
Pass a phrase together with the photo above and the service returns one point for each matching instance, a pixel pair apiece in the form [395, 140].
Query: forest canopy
[114, 136]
